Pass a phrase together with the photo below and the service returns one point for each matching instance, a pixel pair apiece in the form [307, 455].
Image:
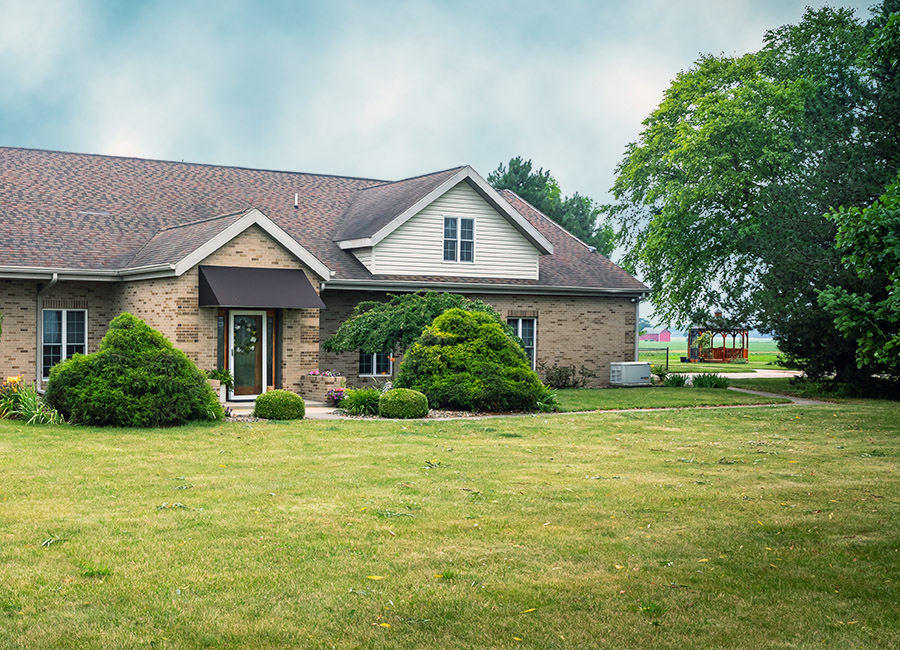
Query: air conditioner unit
[629, 373]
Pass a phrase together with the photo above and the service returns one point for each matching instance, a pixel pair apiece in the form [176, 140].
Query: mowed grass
[587, 399]
[763, 354]
[733, 528]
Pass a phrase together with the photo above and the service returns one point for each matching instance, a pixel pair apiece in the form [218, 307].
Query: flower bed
[316, 387]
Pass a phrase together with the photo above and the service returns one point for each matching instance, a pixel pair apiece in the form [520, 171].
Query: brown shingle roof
[375, 207]
[80, 211]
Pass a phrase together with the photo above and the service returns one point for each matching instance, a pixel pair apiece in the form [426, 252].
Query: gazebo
[711, 343]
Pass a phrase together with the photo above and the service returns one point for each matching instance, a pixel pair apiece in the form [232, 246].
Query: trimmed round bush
[403, 403]
[136, 379]
[465, 360]
[279, 405]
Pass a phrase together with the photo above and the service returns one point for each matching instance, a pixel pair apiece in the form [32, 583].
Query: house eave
[481, 287]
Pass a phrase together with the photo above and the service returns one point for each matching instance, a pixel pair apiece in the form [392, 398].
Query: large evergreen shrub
[465, 360]
[137, 379]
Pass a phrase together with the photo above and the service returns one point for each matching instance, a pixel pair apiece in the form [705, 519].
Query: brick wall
[170, 305]
[571, 330]
[18, 303]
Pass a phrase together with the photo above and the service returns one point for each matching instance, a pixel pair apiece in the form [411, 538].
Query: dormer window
[459, 239]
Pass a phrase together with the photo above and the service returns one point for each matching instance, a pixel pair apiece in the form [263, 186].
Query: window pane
[365, 364]
[449, 250]
[466, 251]
[382, 363]
[527, 334]
[467, 229]
[449, 227]
[52, 327]
[52, 355]
[514, 324]
[75, 328]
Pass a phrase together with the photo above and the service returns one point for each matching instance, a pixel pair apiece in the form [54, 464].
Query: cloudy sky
[360, 88]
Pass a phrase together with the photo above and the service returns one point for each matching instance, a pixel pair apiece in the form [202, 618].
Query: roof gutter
[472, 287]
[93, 275]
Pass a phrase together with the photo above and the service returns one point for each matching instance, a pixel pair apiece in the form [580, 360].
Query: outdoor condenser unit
[629, 373]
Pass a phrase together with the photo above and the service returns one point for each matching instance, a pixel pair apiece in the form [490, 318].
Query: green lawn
[733, 528]
[763, 354]
[586, 399]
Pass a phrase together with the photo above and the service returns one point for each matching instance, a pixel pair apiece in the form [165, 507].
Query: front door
[247, 348]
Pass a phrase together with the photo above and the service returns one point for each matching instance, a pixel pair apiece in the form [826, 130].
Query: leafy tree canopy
[721, 199]
[578, 214]
[396, 324]
[870, 241]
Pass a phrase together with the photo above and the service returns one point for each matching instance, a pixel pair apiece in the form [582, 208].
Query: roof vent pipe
[296, 200]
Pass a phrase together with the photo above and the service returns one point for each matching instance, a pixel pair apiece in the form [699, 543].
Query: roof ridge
[580, 241]
[412, 178]
[195, 164]
[203, 220]
[182, 225]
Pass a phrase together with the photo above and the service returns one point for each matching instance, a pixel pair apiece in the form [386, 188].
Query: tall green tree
[721, 200]
[395, 325]
[578, 214]
[870, 241]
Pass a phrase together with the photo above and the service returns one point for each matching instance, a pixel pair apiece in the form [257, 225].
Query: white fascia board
[347, 244]
[47, 273]
[473, 287]
[483, 188]
[253, 217]
[500, 204]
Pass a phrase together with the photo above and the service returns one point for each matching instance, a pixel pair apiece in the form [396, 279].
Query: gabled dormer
[451, 223]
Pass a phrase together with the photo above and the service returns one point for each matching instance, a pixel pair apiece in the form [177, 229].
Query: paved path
[799, 401]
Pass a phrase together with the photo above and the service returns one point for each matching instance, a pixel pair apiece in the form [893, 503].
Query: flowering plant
[325, 373]
[335, 395]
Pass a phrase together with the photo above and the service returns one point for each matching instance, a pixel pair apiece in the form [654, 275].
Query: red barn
[657, 334]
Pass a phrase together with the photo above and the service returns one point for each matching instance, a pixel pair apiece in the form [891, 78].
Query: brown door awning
[235, 286]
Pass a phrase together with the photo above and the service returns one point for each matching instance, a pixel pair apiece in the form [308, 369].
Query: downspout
[637, 327]
[39, 342]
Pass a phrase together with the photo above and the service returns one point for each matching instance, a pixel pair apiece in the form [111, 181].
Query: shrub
[710, 380]
[675, 381]
[403, 403]
[466, 360]
[137, 378]
[279, 405]
[565, 376]
[361, 401]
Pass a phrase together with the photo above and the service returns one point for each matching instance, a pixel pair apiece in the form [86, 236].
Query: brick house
[251, 269]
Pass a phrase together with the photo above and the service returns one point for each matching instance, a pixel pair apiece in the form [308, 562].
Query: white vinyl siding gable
[364, 255]
[417, 247]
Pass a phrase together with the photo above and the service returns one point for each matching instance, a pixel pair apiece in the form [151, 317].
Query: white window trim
[63, 355]
[518, 332]
[390, 372]
[458, 239]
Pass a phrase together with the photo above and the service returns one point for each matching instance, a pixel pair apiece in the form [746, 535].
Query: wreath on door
[245, 338]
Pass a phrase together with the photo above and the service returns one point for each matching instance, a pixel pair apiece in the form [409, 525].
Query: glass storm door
[247, 346]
